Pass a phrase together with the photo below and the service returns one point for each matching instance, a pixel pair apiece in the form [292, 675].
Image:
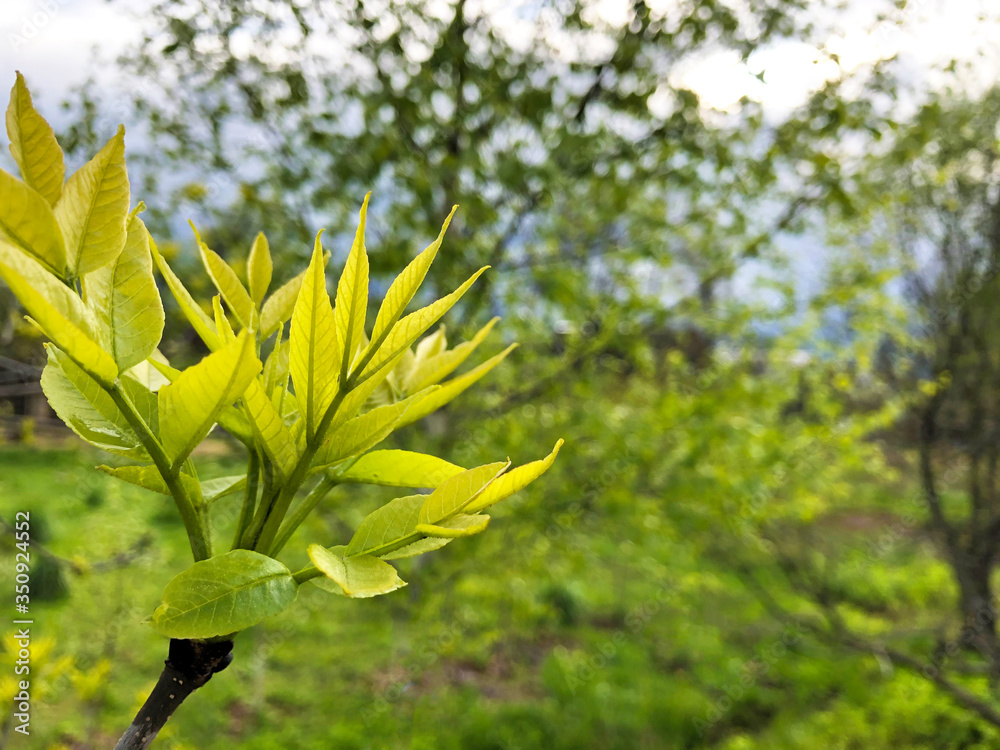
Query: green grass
[608, 629]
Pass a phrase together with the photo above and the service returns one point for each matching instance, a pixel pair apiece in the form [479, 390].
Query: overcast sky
[52, 42]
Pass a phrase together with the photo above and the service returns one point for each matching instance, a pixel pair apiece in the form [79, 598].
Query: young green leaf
[228, 283]
[86, 408]
[362, 433]
[94, 207]
[276, 366]
[396, 468]
[149, 478]
[147, 374]
[314, 357]
[457, 492]
[405, 285]
[358, 577]
[125, 301]
[33, 145]
[388, 527]
[269, 429]
[352, 296]
[197, 317]
[191, 404]
[406, 331]
[433, 366]
[222, 325]
[451, 389]
[513, 481]
[27, 221]
[224, 595]
[278, 308]
[454, 527]
[57, 311]
[214, 489]
[259, 269]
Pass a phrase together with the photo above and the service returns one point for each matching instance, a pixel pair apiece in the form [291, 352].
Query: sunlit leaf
[269, 429]
[407, 330]
[352, 295]
[86, 407]
[125, 301]
[456, 493]
[190, 405]
[259, 268]
[432, 365]
[224, 595]
[456, 526]
[195, 315]
[362, 433]
[228, 283]
[94, 207]
[405, 285]
[513, 481]
[396, 468]
[314, 357]
[27, 221]
[33, 145]
[358, 577]
[452, 389]
[58, 312]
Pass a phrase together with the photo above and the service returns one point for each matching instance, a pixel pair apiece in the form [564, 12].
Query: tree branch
[189, 666]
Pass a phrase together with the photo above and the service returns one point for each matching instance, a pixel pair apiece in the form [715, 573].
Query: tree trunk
[979, 610]
[190, 665]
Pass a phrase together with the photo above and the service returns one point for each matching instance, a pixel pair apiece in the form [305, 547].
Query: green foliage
[82, 265]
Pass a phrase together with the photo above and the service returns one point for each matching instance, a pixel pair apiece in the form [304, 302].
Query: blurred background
[750, 249]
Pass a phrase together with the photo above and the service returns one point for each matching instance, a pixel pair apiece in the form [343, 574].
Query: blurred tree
[583, 162]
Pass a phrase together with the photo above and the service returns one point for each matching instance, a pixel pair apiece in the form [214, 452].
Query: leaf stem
[249, 497]
[314, 498]
[194, 517]
[307, 573]
[277, 509]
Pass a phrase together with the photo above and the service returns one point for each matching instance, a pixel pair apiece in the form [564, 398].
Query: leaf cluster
[311, 411]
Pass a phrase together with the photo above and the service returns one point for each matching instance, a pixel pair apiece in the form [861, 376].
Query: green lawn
[607, 629]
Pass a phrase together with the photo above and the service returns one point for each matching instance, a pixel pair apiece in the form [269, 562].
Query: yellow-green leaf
[33, 145]
[454, 527]
[406, 331]
[456, 493]
[223, 595]
[362, 433]
[86, 407]
[125, 301]
[270, 430]
[397, 468]
[513, 481]
[390, 525]
[352, 296]
[432, 364]
[452, 389]
[259, 268]
[405, 285]
[191, 404]
[358, 577]
[57, 311]
[94, 207]
[314, 357]
[228, 283]
[279, 306]
[149, 478]
[27, 221]
[195, 315]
